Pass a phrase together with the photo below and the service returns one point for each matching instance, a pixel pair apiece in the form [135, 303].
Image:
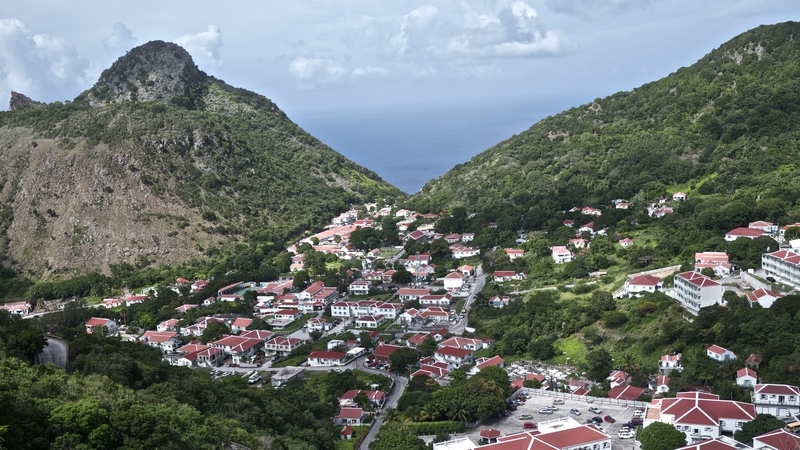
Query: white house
[240, 349]
[699, 415]
[454, 281]
[561, 254]
[322, 358]
[453, 355]
[359, 287]
[749, 233]
[462, 251]
[763, 297]
[719, 354]
[94, 322]
[694, 291]
[678, 197]
[442, 300]
[564, 433]
[668, 363]
[643, 284]
[766, 227]
[167, 341]
[283, 345]
[746, 377]
[370, 321]
[661, 384]
[780, 400]
[349, 416]
[784, 265]
[514, 253]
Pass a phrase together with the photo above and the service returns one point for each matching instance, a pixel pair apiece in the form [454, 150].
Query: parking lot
[513, 424]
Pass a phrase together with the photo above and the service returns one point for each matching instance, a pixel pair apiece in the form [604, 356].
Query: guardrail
[583, 398]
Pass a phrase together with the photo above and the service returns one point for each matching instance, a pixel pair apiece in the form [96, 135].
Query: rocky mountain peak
[157, 71]
[19, 101]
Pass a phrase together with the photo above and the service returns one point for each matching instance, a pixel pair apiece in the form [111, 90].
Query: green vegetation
[661, 436]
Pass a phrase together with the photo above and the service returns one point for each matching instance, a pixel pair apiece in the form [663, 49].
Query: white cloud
[595, 9]
[370, 70]
[40, 66]
[203, 46]
[413, 30]
[310, 71]
[120, 40]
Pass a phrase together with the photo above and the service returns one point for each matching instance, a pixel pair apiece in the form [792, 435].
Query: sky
[318, 58]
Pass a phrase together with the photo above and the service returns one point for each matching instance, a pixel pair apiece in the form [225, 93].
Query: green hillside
[159, 161]
[727, 128]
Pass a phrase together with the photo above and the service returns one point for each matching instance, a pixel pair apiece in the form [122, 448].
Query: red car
[529, 425]
[609, 419]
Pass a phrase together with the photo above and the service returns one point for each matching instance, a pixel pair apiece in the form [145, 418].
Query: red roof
[697, 279]
[347, 431]
[710, 444]
[745, 232]
[490, 433]
[454, 352]
[717, 349]
[779, 439]
[350, 413]
[778, 389]
[746, 372]
[242, 322]
[625, 392]
[386, 350]
[491, 362]
[326, 355]
[705, 409]
[645, 280]
[96, 322]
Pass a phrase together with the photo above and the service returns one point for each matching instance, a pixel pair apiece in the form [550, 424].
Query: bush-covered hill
[159, 161]
[727, 127]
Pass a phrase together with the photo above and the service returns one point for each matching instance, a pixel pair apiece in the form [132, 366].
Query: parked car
[512, 407]
[575, 412]
[529, 425]
[625, 434]
[609, 419]
[525, 417]
[597, 420]
[546, 411]
[771, 279]
[595, 410]
[558, 401]
[635, 422]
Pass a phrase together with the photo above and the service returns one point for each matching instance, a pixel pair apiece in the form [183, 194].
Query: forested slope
[727, 127]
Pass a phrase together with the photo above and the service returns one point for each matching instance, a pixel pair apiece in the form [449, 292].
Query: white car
[575, 412]
[595, 410]
[558, 401]
[625, 435]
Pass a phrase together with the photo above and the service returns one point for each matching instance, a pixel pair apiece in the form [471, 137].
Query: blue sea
[409, 146]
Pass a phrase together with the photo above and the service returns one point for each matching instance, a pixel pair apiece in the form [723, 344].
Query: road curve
[56, 352]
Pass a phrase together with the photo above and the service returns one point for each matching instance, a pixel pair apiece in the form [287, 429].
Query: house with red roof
[473, 344]
[417, 339]
[454, 281]
[716, 261]
[432, 369]
[618, 378]
[643, 284]
[383, 351]
[318, 324]
[167, 325]
[347, 432]
[561, 254]
[678, 197]
[590, 211]
[167, 341]
[699, 415]
[501, 276]
[763, 297]
[359, 287]
[520, 381]
[694, 291]
[559, 434]
[514, 253]
[184, 308]
[323, 358]
[406, 294]
[377, 398]
[462, 251]
[746, 377]
[741, 232]
[783, 265]
[626, 242]
[490, 435]
[779, 439]
[766, 227]
[499, 301]
[199, 285]
[349, 416]
[241, 324]
[108, 303]
[442, 300]
[283, 345]
[484, 362]
[719, 354]
[668, 363]
[568, 223]
[625, 392]
[240, 349]
[780, 400]
[96, 322]
[454, 355]
[661, 384]
[135, 299]
[370, 321]
[720, 443]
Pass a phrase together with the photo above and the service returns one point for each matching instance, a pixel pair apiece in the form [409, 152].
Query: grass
[570, 347]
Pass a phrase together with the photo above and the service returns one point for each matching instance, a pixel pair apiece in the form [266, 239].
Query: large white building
[694, 291]
[700, 416]
[780, 400]
[783, 264]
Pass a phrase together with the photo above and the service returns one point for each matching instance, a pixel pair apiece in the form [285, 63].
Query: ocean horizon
[409, 146]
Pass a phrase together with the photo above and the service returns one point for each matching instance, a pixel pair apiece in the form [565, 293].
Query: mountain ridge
[139, 170]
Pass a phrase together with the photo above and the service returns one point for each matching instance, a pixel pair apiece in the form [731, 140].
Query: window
[763, 397]
[708, 429]
[606, 444]
[722, 423]
[738, 424]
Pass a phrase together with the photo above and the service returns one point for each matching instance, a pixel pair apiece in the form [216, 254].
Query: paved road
[480, 280]
[56, 351]
[394, 395]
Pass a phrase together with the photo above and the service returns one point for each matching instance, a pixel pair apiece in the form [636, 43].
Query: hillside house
[763, 297]
[746, 377]
[455, 356]
[166, 341]
[109, 303]
[383, 351]
[97, 322]
[625, 243]
[240, 349]
[370, 321]
[349, 416]
[561, 254]
[780, 400]
[484, 362]
[625, 392]
[442, 300]
[514, 253]
[323, 358]
[783, 265]
[700, 415]
[748, 233]
[694, 291]
[283, 345]
[558, 434]
[716, 261]
[241, 324]
[766, 227]
[454, 281]
[643, 284]
[720, 354]
[360, 287]
[668, 363]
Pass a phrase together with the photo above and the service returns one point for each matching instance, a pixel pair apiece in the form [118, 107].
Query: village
[362, 333]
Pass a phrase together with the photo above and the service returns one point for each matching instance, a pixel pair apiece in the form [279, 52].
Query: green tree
[398, 440]
[401, 275]
[214, 330]
[427, 347]
[763, 423]
[402, 358]
[599, 364]
[542, 348]
[661, 436]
